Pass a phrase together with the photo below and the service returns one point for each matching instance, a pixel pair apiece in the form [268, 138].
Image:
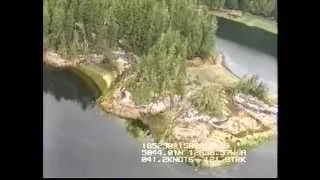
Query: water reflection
[64, 84]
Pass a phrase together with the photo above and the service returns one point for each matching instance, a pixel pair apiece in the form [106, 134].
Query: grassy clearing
[208, 73]
[213, 82]
[251, 20]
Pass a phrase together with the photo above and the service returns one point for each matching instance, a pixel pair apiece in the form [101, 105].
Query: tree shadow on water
[64, 84]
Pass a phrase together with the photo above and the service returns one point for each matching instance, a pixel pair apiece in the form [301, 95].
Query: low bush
[209, 101]
[252, 86]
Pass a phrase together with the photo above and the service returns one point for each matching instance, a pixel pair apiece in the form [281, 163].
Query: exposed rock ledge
[56, 60]
[247, 104]
[255, 120]
[123, 60]
[258, 110]
[254, 115]
[123, 106]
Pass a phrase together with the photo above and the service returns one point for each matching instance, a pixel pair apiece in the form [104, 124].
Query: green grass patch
[210, 74]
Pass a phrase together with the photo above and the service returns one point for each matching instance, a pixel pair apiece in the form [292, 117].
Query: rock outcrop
[251, 110]
[91, 59]
[255, 115]
[265, 114]
[122, 100]
[56, 60]
[253, 121]
[233, 13]
[123, 60]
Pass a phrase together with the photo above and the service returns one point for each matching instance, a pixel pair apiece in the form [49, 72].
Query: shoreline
[223, 63]
[177, 132]
[250, 20]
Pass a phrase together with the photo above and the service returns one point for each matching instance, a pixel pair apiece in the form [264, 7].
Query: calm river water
[79, 140]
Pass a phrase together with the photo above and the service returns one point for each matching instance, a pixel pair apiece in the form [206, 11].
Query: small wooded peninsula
[156, 62]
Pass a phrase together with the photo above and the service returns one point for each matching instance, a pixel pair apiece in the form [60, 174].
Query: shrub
[209, 101]
[252, 86]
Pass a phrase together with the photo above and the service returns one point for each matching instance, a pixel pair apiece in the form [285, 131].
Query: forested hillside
[79, 26]
[162, 33]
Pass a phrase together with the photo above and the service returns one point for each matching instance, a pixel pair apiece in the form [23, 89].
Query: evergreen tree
[98, 25]
[232, 4]
[56, 35]
[161, 73]
[46, 18]
[275, 11]
[193, 27]
[207, 47]
[213, 4]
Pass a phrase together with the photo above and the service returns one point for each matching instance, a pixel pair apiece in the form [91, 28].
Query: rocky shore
[251, 122]
[119, 58]
[254, 122]
[55, 60]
